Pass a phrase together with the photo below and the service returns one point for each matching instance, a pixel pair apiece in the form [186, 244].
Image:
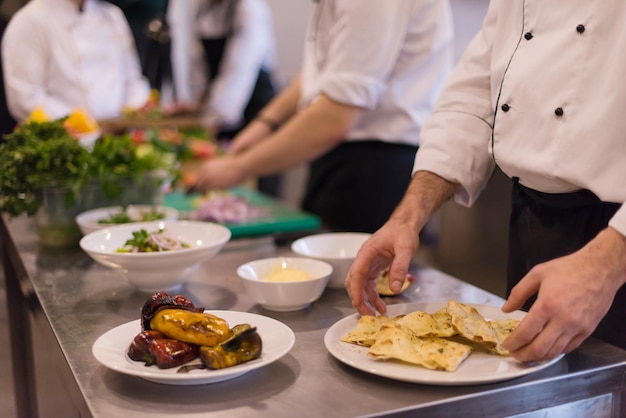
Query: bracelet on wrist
[269, 122]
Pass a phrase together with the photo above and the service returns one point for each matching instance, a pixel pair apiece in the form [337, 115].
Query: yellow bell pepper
[191, 327]
[37, 115]
[79, 121]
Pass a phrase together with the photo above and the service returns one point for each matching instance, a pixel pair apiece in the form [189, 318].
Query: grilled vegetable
[244, 345]
[174, 331]
[153, 347]
[191, 327]
[162, 300]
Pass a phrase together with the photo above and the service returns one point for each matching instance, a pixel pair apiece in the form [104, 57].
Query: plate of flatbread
[435, 343]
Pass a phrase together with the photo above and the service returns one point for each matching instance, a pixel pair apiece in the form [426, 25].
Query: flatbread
[395, 341]
[472, 325]
[382, 283]
[444, 322]
[423, 324]
[504, 327]
[365, 330]
[421, 338]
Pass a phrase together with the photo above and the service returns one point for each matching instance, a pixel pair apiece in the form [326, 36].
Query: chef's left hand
[573, 294]
[220, 173]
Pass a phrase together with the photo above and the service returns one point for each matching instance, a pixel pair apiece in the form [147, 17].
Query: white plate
[478, 368]
[89, 221]
[111, 349]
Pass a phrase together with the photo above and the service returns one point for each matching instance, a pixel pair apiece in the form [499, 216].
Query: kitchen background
[467, 243]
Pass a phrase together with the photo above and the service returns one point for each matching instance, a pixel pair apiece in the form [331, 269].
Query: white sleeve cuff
[353, 90]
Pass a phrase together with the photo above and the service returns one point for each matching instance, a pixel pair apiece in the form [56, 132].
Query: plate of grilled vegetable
[177, 343]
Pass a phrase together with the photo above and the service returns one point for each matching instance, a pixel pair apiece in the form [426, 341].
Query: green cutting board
[278, 218]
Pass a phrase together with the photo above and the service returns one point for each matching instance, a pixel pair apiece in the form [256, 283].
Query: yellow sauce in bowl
[287, 274]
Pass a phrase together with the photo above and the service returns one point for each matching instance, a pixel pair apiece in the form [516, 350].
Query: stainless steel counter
[69, 301]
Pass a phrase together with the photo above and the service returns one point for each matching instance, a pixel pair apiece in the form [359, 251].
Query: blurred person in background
[148, 23]
[235, 40]
[371, 73]
[59, 55]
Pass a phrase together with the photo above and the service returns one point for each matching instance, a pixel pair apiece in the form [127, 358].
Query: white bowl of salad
[100, 218]
[159, 255]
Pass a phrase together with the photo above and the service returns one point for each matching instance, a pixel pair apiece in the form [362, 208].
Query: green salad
[150, 242]
[123, 217]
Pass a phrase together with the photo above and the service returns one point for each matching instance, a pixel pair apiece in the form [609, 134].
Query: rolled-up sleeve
[353, 89]
[359, 56]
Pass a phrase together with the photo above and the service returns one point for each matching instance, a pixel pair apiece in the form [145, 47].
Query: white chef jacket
[540, 92]
[59, 58]
[250, 48]
[389, 58]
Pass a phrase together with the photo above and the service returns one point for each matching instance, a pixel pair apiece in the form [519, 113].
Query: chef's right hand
[392, 245]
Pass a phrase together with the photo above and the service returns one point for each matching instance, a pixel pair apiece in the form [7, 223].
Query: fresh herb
[118, 158]
[140, 242]
[37, 156]
[123, 217]
[40, 155]
[117, 218]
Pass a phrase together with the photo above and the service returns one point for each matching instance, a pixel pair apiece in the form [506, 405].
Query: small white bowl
[284, 295]
[89, 221]
[157, 271]
[339, 249]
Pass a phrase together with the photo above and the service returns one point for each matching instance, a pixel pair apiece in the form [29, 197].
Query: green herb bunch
[35, 156]
[118, 158]
[39, 155]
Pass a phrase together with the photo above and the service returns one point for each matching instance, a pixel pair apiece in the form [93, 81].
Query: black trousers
[357, 185]
[546, 226]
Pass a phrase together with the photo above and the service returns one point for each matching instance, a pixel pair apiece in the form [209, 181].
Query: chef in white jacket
[60, 55]
[540, 93]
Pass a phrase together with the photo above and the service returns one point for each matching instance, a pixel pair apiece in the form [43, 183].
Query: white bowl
[89, 221]
[285, 295]
[156, 271]
[336, 248]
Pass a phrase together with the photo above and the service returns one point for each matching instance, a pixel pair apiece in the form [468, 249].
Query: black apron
[261, 95]
[546, 226]
[355, 186]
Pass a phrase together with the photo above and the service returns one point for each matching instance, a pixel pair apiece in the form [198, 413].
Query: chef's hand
[252, 134]
[220, 173]
[573, 294]
[394, 244]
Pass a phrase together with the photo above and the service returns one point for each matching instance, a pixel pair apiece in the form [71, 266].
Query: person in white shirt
[538, 92]
[371, 74]
[237, 44]
[238, 52]
[60, 55]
